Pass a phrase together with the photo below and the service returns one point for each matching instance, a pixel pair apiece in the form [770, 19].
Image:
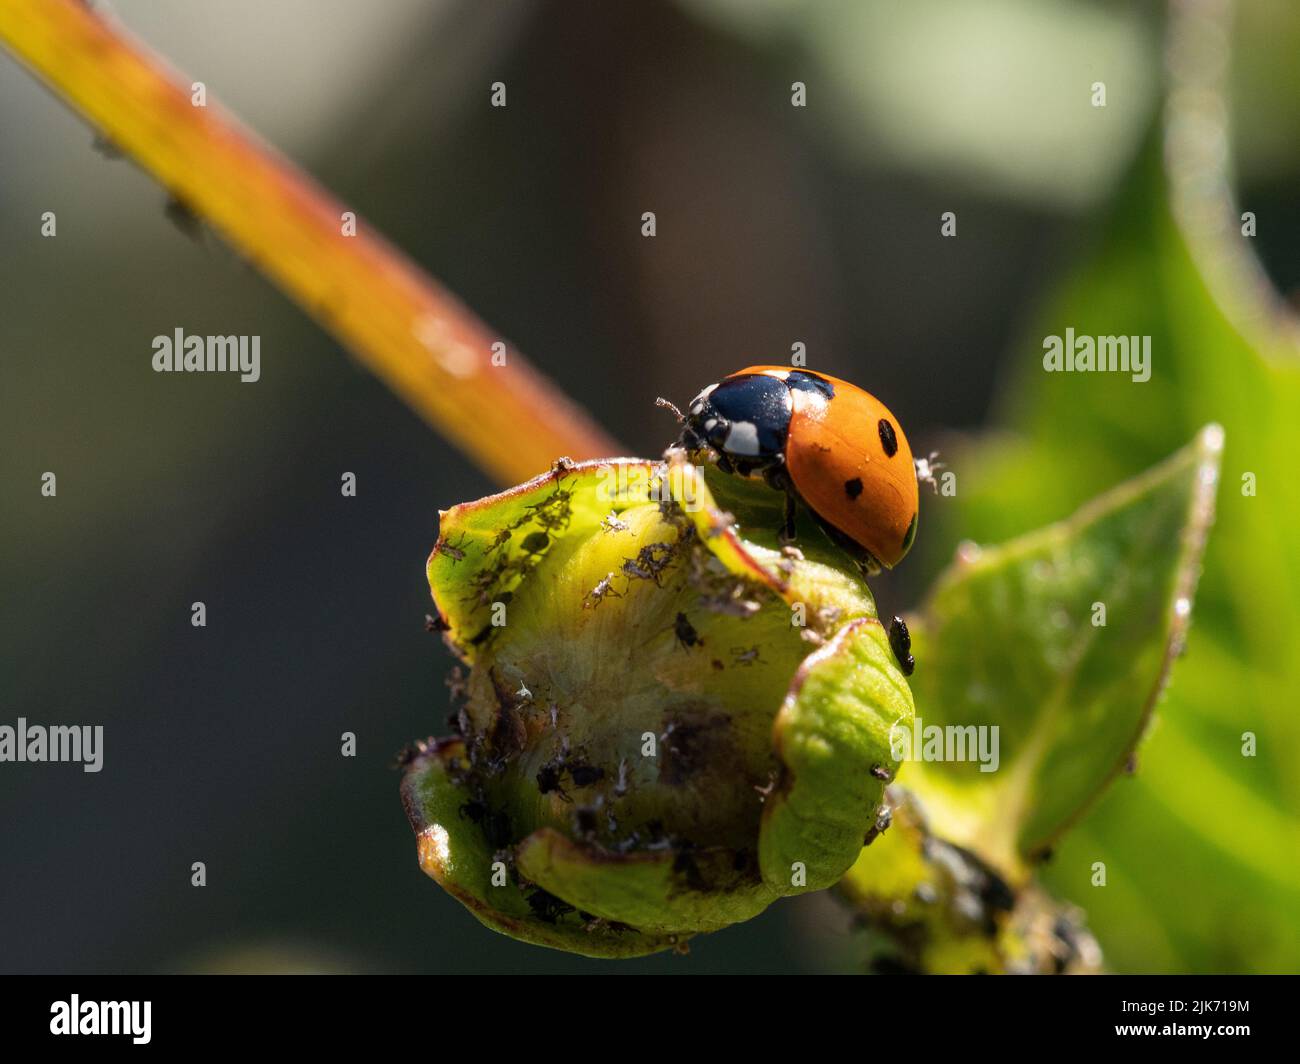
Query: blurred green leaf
[1062, 641]
[1192, 886]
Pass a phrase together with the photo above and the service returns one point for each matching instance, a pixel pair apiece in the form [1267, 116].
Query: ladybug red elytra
[822, 441]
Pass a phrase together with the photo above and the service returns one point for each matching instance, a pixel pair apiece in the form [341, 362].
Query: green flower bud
[670, 719]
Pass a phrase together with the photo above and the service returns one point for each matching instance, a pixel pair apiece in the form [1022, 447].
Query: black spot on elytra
[887, 438]
[853, 488]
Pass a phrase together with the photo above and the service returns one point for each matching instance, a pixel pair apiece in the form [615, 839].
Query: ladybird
[822, 441]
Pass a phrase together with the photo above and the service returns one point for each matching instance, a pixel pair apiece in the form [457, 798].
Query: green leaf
[1014, 637]
[1214, 359]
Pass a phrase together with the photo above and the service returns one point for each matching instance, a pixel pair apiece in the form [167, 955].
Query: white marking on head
[742, 439]
[808, 403]
[697, 404]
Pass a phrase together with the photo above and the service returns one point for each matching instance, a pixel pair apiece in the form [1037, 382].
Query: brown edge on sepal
[712, 523]
[431, 862]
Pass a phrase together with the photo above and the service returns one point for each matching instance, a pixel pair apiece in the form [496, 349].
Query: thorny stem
[408, 330]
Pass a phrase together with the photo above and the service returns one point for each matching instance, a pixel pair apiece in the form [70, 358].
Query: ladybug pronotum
[823, 442]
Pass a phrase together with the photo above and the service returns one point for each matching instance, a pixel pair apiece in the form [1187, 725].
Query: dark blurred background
[776, 225]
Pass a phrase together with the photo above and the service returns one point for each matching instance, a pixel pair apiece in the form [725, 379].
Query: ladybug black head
[745, 417]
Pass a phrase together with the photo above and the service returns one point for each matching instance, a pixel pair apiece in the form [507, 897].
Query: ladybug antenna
[670, 406]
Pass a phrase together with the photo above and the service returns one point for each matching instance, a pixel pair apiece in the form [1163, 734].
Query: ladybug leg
[865, 560]
[778, 479]
[787, 528]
